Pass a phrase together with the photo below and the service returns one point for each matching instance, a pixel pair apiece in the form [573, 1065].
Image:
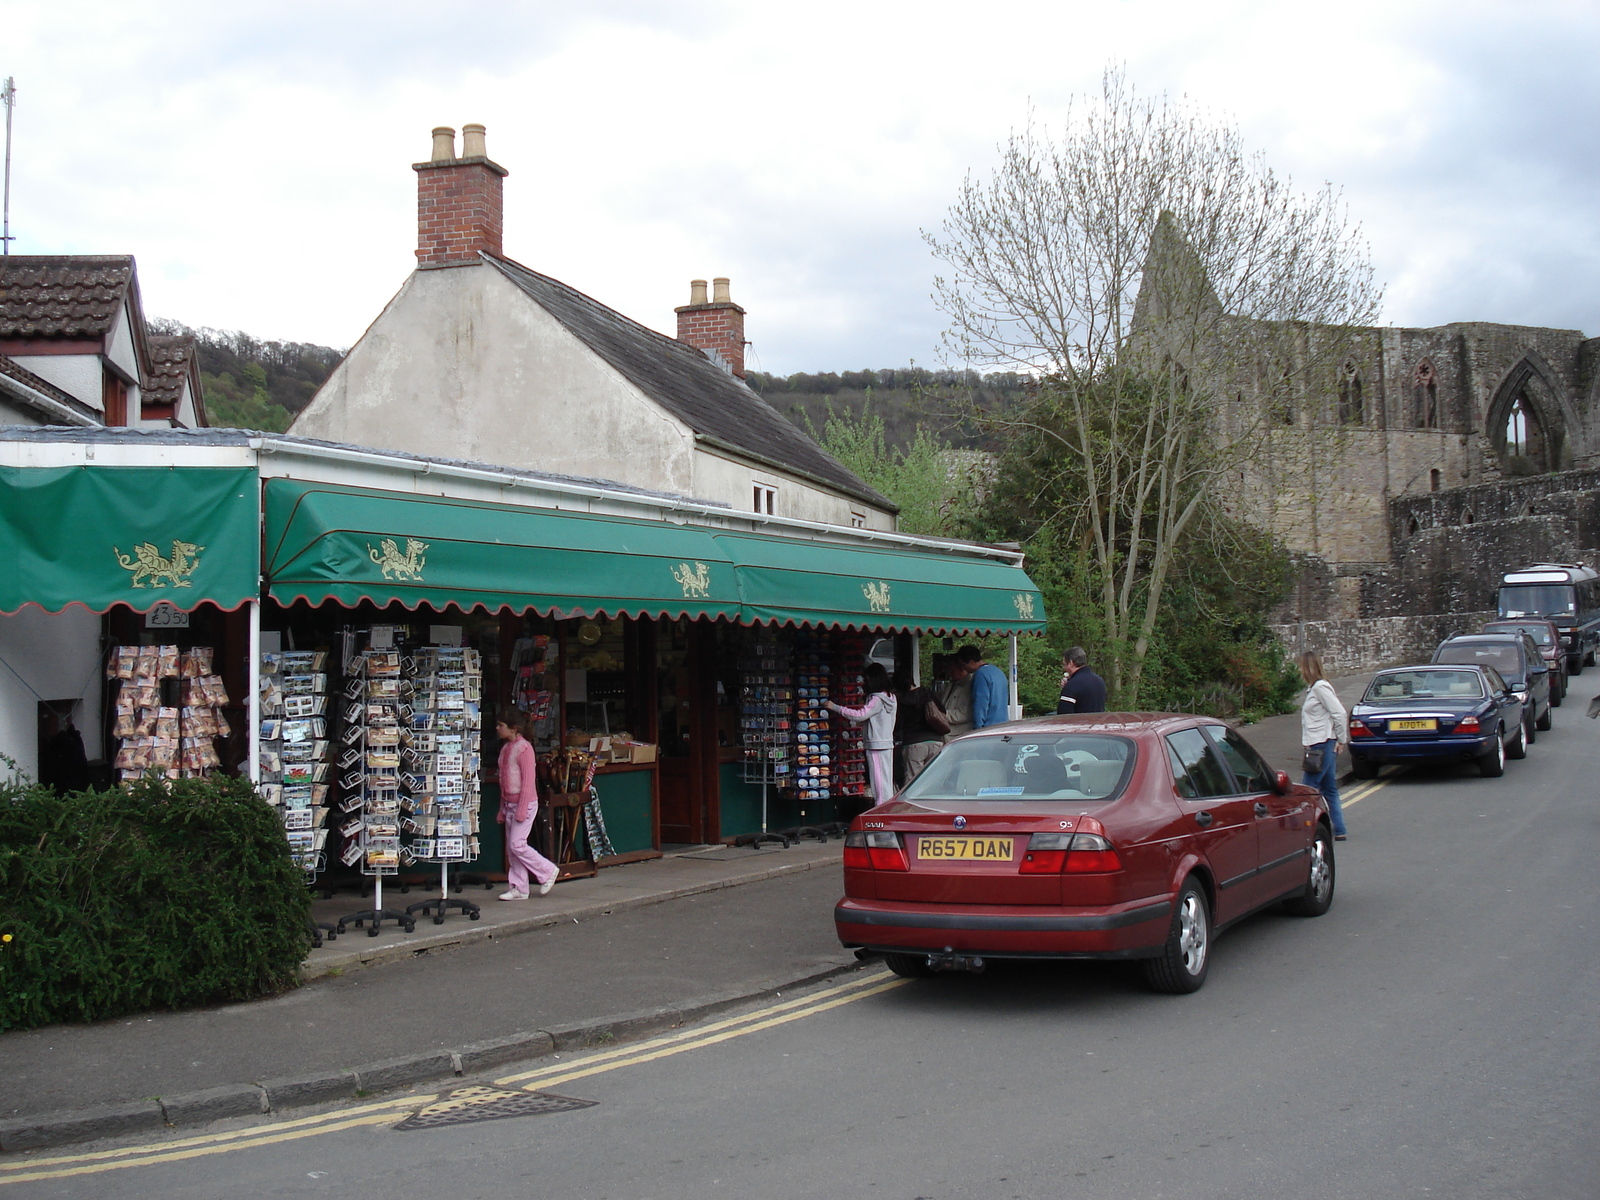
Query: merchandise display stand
[293, 750]
[815, 751]
[168, 709]
[564, 812]
[766, 720]
[441, 904]
[375, 705]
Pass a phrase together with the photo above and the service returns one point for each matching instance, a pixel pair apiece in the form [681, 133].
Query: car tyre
[1519, 745]
[1363, 769]
[908, 966]
[1558, 694]
[1530, 730]
[1575, 665]
[1318, 895]
[1493, 764]
[1543, 723]
[1185, 960]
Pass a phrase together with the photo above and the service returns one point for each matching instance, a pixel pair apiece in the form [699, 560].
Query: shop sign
[695, 581]
[396, 565]
[1024, 603]
[166, 616]
[877, 594]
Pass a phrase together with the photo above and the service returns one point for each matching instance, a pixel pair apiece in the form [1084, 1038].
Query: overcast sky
[255, 157]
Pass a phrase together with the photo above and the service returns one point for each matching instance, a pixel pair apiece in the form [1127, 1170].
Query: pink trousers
[525, 860]
[880, 766]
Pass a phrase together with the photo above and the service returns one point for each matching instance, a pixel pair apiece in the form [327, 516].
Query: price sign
[166, 616]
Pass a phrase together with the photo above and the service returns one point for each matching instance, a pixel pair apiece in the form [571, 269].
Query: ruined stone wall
[1351, 647]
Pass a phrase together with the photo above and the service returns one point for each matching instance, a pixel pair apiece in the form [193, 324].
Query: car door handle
[1262, 810]
[1202, 819]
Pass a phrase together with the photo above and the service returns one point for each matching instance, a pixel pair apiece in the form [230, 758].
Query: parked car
[1565, 593]
[1438, 714]
[1547, 639]
[1517, 660]
[1113, 836]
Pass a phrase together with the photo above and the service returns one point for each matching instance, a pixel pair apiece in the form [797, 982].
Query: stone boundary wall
[1352, 647]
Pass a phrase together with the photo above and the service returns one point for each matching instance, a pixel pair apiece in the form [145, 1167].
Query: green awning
[883, 586]
[325, 542]
[100, 536]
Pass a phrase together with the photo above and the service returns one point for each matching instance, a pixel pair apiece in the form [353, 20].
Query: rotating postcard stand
[440, 781]
[375, 695]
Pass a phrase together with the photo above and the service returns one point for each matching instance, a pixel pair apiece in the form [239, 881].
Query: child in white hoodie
[879, 713]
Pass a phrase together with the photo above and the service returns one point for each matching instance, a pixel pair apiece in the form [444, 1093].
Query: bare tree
[1178, 301]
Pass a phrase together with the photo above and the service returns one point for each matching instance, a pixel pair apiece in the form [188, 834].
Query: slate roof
[62, 295]
[681, 379]
[16, 371]
[170, 358]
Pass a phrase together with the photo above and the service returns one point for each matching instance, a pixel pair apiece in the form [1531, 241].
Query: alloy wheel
[1321, 876]
[1192, 933]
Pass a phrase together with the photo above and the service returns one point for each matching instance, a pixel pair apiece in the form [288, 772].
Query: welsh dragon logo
[877, 594]
[695, 581]
[148, 563]
[396, 565]
[1024, 603]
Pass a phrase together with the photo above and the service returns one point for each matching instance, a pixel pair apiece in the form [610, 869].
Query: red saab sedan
[1109, 835]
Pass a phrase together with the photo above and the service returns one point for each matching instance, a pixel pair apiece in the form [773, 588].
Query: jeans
[1326, 781]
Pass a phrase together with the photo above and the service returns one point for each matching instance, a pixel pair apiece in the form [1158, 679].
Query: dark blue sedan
[1436, 714]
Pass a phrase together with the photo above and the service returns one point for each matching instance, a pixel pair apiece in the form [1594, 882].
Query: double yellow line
[1362, 790]
[388, 1111]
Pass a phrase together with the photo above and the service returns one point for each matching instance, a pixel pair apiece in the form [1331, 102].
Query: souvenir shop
[348, 626]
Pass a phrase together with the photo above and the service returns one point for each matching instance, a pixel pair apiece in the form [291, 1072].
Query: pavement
[637, 948]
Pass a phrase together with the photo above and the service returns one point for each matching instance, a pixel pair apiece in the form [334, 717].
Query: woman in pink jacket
[519, 804]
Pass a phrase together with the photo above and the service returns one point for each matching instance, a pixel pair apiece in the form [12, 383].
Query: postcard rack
[441, 774]
[375, 707]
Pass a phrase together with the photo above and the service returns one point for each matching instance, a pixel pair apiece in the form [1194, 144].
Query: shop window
[764, 498]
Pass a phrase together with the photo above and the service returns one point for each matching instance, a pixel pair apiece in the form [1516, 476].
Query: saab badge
[961, 822]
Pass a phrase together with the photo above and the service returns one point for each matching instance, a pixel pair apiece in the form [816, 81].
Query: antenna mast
[9, 95]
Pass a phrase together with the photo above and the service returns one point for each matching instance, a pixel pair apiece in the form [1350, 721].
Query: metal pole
[253, 699]
[9, 95]
[1015, 706]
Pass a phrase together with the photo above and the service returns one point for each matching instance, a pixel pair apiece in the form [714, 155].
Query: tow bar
[956, 962]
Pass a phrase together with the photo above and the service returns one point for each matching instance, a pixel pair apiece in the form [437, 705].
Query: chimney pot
[697, 291]
[719, 293]
[460, 202]
[444, 144]
[717, 327]
[472, 142]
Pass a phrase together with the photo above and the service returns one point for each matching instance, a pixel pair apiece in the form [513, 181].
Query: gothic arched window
[1425, 396]
[1352, 404]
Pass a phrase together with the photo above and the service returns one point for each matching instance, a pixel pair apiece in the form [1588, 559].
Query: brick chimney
[717, 326]
[459, 206]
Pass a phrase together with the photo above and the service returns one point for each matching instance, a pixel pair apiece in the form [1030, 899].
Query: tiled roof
[15, 371]
[170, 356]
[62, 295]
[688, 385]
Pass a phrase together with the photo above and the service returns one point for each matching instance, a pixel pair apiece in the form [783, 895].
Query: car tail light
[874, 849]
[1072, 853]
[1358, 728]
[1468, 725]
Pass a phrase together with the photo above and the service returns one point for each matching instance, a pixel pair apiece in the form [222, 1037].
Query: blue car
[1439, 714]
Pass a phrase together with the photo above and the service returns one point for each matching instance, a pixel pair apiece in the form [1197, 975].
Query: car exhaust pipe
[970, 963]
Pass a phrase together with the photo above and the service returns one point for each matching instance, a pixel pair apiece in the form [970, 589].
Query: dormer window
[764, 498]
[858, 520]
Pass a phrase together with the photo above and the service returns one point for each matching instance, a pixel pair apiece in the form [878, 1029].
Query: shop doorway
[686, 700]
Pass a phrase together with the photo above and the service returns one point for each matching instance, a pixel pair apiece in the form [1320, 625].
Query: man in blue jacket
[991, 693]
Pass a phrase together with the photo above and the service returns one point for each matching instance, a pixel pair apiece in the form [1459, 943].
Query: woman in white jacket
[1323, 724]
[879, 713]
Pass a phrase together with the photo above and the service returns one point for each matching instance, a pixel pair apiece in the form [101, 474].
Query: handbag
[1312, 765]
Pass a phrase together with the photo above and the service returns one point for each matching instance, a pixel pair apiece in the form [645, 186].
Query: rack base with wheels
[444, 902]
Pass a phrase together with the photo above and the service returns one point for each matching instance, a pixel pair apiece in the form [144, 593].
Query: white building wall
[53, 657]
[462, 364]
[78, 375]
[17, 414]
[721, 476]
[120, 351]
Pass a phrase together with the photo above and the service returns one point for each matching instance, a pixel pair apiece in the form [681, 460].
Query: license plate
[991, 849]
[1418, 723]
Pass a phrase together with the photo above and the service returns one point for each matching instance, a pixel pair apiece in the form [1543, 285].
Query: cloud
[255, 157]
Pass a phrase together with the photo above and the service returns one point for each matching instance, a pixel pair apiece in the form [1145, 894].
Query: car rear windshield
[1538, 600]
[1540, 632]
[1424, 685]
[1501, 657]
[1042, 766]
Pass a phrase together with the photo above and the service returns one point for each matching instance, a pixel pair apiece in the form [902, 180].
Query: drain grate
[482, 1103]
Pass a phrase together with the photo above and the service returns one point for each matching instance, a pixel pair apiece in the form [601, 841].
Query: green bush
[160, 897]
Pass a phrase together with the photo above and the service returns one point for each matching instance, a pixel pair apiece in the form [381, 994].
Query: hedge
[165, 896]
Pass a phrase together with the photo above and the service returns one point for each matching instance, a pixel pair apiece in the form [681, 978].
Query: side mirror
[1280, 783]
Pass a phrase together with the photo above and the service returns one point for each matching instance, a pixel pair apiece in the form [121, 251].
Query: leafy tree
[1175, 298]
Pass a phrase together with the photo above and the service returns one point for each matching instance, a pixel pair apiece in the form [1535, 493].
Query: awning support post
[1015, 707]
[253, 699]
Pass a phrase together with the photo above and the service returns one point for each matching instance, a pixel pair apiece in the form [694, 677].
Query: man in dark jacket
[1082, 691]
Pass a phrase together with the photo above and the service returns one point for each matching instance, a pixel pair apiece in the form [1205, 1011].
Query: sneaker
[544, 888]
[1341, 837]
[514, 895]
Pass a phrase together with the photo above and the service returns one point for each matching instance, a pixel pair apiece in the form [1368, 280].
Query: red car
[1107, 835]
